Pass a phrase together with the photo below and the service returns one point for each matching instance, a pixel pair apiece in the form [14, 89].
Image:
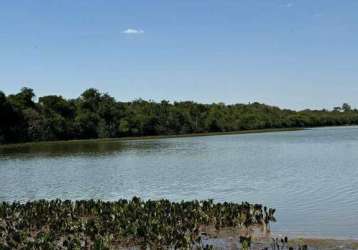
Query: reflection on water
[310, 176]
[61, 148]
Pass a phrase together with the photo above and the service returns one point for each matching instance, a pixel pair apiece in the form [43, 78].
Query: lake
[309, 176]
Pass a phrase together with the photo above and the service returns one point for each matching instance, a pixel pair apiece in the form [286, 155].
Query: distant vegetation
[98, 115]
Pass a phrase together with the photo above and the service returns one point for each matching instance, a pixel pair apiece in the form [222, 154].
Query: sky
[293, 54]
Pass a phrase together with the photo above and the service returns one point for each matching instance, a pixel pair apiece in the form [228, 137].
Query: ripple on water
[310, 176]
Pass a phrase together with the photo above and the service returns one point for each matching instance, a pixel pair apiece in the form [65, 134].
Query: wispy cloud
[133, 31]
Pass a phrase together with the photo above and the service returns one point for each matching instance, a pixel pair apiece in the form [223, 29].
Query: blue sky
[293, 54]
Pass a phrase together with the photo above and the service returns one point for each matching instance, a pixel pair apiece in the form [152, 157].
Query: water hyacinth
[103, 225]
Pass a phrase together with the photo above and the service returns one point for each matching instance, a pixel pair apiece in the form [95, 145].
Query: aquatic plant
[245, 242]
[98, 224]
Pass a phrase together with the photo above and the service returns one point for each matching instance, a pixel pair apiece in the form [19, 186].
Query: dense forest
[98, 115]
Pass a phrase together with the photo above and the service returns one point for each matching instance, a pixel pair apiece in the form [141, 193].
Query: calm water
[310, 176]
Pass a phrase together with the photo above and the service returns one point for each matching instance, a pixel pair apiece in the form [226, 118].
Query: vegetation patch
[93, 224]
[97, 115]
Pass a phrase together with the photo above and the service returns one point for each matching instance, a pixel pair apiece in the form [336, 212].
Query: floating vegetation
[93, 224]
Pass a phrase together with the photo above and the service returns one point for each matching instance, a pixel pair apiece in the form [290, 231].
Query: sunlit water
[310, 176]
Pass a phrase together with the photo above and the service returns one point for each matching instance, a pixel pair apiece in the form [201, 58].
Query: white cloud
[133, 31]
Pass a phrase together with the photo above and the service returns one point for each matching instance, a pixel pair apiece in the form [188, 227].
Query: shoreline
[322, 243]
[296, 243]
[153, 137]
[137, 223]
[230, 239]
[313, 236]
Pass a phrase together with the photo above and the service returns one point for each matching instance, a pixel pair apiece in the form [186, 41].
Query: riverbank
[153, 137]
[134, 224]
[327, 244]
[295, 243]
[229, 238]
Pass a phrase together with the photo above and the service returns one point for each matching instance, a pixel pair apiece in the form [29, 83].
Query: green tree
[24, 99]
[346, 107]
[98, 115]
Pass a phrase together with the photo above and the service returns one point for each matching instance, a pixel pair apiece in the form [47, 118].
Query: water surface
[310, 176]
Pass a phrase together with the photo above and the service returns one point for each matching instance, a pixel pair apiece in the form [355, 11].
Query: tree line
[98, 115]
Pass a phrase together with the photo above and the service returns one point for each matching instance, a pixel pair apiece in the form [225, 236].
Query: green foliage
[346, 107]
[24, 99]
[93, 224]
[98, 115]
